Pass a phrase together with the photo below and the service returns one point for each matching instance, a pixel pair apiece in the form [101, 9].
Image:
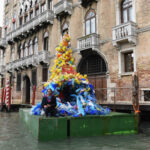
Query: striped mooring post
[8, 95]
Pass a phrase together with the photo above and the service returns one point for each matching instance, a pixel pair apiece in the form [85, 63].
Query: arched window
[35, 46]
[43, 6]
[25, 49]
[46, 41]
[31, 4]
[26, 7]
[50, 4]
[90, 22]
[126, 11]
[20, 17]
[19, 51]
[12, 53]
[36, 8]
[65, 28]
[30, 48]
[20, 12]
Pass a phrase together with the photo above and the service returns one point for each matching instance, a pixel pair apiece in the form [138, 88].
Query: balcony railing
[63, 6]
[45, 17]
[32, 60]
[124, 32]
[91, 41]
[2, 43]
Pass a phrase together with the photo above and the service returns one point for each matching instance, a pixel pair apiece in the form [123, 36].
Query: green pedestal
[42, 128]
[46, 129]
[115, 123]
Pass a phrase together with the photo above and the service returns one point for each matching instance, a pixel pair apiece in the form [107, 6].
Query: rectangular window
[2, 82]
[18, 82]
[147, 95]
[45, 74]
[20, 21]
[46, 43]
[34, 77]
[128, 62]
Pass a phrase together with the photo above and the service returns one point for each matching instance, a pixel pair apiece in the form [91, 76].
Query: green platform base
[46, 129]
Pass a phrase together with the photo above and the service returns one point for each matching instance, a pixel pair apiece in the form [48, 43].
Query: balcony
[26, 62]
[91, 41]
[124, 33]
[63, 7]
[31, 25]
[2, 43]
[43, 57]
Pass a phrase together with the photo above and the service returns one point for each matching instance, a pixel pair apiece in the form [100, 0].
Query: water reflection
[13, 136]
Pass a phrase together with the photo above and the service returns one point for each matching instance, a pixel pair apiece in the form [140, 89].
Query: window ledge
[127, 74]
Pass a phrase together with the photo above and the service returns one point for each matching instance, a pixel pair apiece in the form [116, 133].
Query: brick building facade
[110, 41]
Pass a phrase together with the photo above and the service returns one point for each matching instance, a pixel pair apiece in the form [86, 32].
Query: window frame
[90, 19]
[125, 61]
[127, 9]
[121, 63]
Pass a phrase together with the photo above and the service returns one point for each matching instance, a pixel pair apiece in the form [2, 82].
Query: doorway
[27, 89]
[95, 67]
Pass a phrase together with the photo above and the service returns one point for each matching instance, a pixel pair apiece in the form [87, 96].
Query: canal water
[13, 136]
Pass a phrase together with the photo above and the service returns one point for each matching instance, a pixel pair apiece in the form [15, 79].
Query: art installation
[74, 94]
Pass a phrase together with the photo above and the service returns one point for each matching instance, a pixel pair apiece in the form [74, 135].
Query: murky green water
[15, 137]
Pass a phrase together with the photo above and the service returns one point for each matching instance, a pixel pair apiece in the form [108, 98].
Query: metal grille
[93, 64]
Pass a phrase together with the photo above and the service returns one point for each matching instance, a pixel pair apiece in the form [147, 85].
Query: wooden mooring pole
[135, 98]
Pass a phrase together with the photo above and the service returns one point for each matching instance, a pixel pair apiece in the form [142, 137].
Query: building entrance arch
[96, 69]
[26, 89]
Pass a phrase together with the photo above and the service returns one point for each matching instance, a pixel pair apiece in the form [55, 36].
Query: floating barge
[46, 129]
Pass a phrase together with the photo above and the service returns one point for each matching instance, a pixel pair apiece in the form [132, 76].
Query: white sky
[1, 11]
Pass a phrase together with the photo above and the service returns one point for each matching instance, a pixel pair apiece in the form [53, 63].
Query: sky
[1, 11]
